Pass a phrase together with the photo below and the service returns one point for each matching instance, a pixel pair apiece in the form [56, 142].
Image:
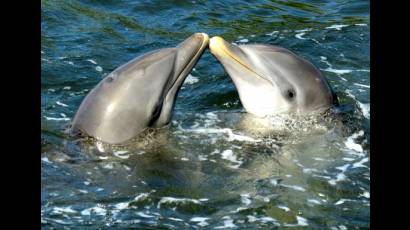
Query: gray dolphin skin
[139, 94]
[272, 80]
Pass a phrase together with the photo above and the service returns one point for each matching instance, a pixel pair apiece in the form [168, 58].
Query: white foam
[244, 40]
[239, 209]
[121, 153]
[184, 159]
[348, 159]
[231, 136]
[45, 159]
[86, 182]
[342, 227]
[191, 79]
[245, 199]
[230, 156]
[273, 33]
[92, 61]
[294, 187]
[365, 109]
[331, 69]
[302, 221]
[313, 201]
[274, 181]
[360, 24]
[108, 166]
[211, 115]
[57, 118]
[339, 177]
[201, 221]
[100, 146]
[177, 200]
[141, 196]
[67, 87]
[228, 223]
[202, 158]
[58, 210]
[61, 221]
[97, 210]
[251, 218]
[141, 214]
[338, 71]
[363, 70]
[121, 206]
[342, 201]
[317, 42]
[364, 86]
[337, 27]
[309, 170]
[176, 219]
[99, 68]
[350, 143]
[284, 208]
[360, 163]
[343, 168]
[299, 36]
[304, 30]
[365, 194]
[319, 159]
[266, 219]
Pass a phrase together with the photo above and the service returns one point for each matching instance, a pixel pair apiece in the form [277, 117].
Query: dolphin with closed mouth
[138, 95]
[273, 80]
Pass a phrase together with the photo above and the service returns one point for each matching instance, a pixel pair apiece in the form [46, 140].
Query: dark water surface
[209, 169]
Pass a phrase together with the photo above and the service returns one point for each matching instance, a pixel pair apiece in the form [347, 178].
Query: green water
[208, 169]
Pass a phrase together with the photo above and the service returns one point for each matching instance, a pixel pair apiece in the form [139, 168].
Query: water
[214, 167]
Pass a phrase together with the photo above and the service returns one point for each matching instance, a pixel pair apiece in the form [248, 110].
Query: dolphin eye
[291, 94]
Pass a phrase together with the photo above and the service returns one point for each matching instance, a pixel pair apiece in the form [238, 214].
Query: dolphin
[273, 80]
[139, 94]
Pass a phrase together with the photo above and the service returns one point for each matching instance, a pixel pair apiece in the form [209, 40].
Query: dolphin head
[272, 80]
[138, 94]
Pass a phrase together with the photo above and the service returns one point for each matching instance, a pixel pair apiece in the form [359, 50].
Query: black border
[21, 112]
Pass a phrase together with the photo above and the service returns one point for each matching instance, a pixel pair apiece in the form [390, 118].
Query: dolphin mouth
[221, 49]
[198, 41]
[186, 55]
[195, 56]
